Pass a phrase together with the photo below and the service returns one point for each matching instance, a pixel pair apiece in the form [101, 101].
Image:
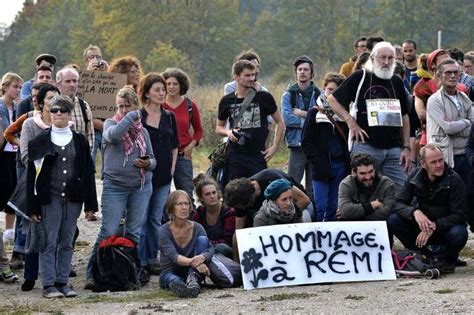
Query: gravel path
[451, 294]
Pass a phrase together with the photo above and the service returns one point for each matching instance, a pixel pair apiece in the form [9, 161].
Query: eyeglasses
[90, 57]
[451, 73]
[55, 110]
[183, 203]
[361, 46]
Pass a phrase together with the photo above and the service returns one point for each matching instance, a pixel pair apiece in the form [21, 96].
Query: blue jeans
[224, 249]
[326, 193]
[387, 161]
[298, 166]
[149, 237]
[453, 239]
[183, 176]
[115, 199]
[202, 242]
[463, 168]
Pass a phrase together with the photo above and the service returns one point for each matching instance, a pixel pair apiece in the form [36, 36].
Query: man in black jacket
[431, 209]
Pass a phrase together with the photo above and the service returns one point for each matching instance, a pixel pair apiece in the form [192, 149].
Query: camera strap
[245, 105]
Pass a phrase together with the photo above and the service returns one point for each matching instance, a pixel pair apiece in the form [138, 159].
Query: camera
[242, 136]
[100, 64]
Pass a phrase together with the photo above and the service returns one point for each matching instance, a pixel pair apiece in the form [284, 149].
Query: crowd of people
[390, 138]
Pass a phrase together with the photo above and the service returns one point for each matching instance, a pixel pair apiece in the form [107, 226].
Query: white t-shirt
[10, 147]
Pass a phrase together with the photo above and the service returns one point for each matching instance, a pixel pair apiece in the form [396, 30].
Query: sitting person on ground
[439, 214]
[60, 180]
[184, 249]
[365, 195]
[278, 207]
[246, 196]
[215, 216]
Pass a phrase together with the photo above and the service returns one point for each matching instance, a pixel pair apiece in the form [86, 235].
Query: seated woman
[184, 248]
[278, 207]
[217, 218]
[60, 179]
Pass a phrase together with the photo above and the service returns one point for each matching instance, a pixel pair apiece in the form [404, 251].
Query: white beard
[384, 73]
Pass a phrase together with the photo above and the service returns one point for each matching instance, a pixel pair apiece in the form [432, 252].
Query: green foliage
[164, 55]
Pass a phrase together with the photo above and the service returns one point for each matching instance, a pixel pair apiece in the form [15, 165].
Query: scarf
[38, 119]
[134, 136]
[321, 102]
[271, 209]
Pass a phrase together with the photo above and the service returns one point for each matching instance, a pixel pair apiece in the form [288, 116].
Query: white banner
[293, 254]
[384, 112]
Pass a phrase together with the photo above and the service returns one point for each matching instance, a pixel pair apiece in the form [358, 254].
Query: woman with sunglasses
[60, 180]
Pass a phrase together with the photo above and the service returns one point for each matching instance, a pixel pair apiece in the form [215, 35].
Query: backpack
[410, 263]
[84, 113]
[225, 273]
[189, 105]
[115, 267]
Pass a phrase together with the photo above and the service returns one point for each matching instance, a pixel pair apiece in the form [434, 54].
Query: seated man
[430, 209]
[365, 195]
[246, 196]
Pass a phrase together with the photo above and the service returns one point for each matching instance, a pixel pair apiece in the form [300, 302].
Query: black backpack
[115, 267]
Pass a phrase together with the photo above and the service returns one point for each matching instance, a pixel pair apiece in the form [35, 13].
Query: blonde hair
[8, 78]
[129, 94]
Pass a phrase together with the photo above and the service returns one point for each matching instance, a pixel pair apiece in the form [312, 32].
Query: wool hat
[276, 188]
[302, 59]
[430, 61]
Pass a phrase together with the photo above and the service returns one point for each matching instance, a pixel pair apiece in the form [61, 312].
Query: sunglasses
[55, 110]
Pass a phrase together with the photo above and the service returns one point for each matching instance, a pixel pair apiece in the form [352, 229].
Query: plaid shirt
[79, 123]
[466, 79]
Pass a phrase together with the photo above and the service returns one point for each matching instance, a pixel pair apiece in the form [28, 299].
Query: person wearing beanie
[295, 103]
[278, 207]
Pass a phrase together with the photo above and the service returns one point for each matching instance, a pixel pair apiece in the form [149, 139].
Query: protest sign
[304, 253]
[384, 112]
[99, 90]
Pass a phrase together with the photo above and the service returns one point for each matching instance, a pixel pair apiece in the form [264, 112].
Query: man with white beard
[378, 123]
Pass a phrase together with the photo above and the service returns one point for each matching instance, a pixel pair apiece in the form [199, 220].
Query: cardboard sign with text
[99, 89]
[293, 254]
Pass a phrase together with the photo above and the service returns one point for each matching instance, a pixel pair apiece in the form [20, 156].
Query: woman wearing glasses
[60, 179]
[184, 247]
[128, 165]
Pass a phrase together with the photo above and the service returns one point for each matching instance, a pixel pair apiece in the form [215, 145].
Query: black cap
[48, 57]
[302, 59]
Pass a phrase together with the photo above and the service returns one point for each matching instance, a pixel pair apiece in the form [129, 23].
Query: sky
[9, 9]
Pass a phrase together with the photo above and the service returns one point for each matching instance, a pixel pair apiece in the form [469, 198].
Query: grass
[354, 297]
[284, 296]
[444, 291]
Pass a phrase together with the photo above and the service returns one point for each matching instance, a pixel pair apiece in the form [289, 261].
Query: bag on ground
[115, 268]
[410, 263]
[225, 273]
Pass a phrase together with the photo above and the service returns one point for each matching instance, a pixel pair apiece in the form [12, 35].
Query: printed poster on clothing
[384, 112]
[304, 253]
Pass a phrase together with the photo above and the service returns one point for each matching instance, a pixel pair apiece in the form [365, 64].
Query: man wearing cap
[378, 123]
[42, 60]
[295, 103]
[360, 47]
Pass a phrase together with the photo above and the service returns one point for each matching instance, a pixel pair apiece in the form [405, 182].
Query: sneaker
[17, 261]
[52, 293]
[72, 274]
[89, 284]
[28, 285]
[8, 236]
[445, 267]
[8, 276]
[91, 217]
[68, 291]
[461, 263]
[153, 269]
[192, 282]
[180, 289]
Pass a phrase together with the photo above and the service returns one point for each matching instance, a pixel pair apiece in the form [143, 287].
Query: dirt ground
[450, 294]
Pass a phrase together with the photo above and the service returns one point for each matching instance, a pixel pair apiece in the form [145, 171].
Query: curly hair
[123, 65]
[203, 180]
[181, 76]
[239, 193]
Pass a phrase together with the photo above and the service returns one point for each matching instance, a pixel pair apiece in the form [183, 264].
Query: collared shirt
[79, 123]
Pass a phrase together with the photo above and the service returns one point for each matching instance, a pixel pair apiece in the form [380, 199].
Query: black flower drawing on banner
[251, 262]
